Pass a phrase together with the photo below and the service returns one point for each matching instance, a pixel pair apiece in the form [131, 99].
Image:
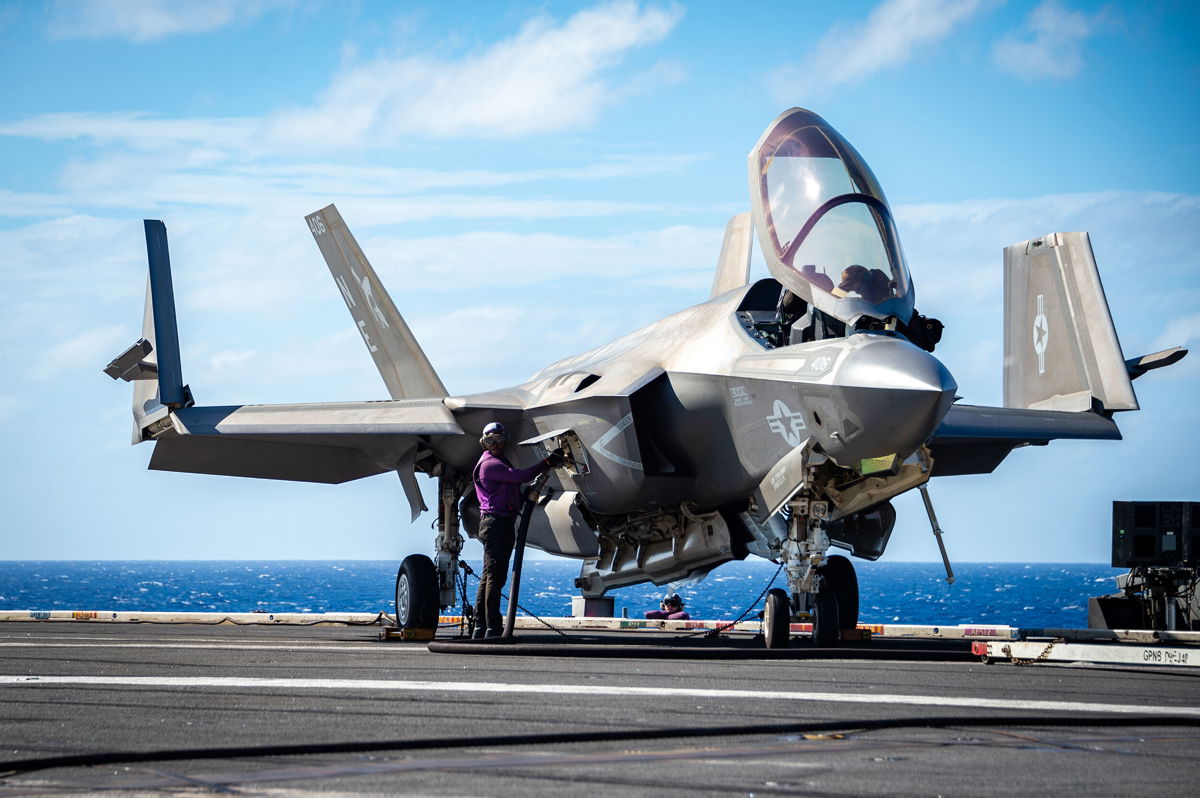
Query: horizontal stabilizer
[974, 440]
[1140, 365]
[406, 371]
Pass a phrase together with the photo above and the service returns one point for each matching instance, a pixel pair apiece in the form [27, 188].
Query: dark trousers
[498, 534]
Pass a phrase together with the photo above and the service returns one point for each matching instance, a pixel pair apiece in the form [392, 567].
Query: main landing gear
[424, 587]
[822, 589]
[417, 593]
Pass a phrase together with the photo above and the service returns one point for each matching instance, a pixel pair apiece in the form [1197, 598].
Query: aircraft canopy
[823, 223]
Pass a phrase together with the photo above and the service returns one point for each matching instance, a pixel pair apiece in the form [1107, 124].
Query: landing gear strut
[424, 587]
[449, 540]
[808, 490]
[823, 589]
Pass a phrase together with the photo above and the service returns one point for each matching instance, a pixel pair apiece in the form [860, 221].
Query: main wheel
[417, 593]
[826, 629]
[839, 576]
[777, 619]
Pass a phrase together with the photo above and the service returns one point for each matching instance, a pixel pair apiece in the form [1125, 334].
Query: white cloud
[14, 204]
[89, 350]
[1183, 331]
[234, 360]
[199, 163]
[546, 78]
[135, 129]
[651, 258]
[1051, 42]
[146, 20]
[894, 31]
[152, 184]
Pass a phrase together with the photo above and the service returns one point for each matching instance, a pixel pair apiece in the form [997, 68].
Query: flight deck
[270, 706]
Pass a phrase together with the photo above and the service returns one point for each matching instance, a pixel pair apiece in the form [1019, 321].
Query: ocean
[1028, 595]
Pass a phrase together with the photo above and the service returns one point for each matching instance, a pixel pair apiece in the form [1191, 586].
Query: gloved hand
[556, 458]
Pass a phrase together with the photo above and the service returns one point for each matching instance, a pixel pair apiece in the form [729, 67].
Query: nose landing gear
[823, 589]
[777, 618]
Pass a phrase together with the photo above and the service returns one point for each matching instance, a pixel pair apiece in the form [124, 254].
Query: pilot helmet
[853, 276]
[493, 435]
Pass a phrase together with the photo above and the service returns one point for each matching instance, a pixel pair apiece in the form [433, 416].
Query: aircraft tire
[417, 593]
[826, 630]
[777, 619]
[839, 576]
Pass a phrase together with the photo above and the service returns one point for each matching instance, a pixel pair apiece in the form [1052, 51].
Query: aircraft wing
[974, 440]
[329, 442]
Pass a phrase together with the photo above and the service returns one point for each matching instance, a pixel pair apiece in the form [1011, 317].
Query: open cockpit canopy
[823, 223]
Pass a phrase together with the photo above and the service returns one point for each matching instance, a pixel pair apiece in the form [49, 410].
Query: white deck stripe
[591, 690]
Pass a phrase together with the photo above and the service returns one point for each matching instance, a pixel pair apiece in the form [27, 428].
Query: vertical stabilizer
[401, 362]
[1060, 347]
[733, 265]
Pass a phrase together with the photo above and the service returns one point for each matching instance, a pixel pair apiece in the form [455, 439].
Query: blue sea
[1027, 595]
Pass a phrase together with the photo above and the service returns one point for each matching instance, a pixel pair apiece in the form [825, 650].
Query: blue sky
[532, 180]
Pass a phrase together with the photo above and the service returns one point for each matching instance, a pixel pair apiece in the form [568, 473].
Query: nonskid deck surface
[177, 707]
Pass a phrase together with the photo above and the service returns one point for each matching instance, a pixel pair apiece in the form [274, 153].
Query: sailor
[498, 486]
[671, 609]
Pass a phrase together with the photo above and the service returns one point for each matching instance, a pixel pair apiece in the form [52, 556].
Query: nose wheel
[822, 589]
[838, 576]
[777, 619]
[826, 627]
[824, 607]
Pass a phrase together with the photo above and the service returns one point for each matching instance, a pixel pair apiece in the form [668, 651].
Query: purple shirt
[498, 484]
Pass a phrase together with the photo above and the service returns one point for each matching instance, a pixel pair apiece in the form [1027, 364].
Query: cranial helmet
[493, 435]
[852, 276]
[672, 598]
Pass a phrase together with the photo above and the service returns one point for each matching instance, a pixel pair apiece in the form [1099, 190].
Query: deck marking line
[590, 690]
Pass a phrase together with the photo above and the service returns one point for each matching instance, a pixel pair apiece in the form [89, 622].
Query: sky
[531, 181]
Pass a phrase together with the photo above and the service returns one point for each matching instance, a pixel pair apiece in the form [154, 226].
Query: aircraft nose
[894, 395]
[898, 365]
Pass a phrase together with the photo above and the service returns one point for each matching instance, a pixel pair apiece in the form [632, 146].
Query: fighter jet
[777, 419]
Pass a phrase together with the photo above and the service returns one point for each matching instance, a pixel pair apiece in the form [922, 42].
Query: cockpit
[823, 223]
[828, 237]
